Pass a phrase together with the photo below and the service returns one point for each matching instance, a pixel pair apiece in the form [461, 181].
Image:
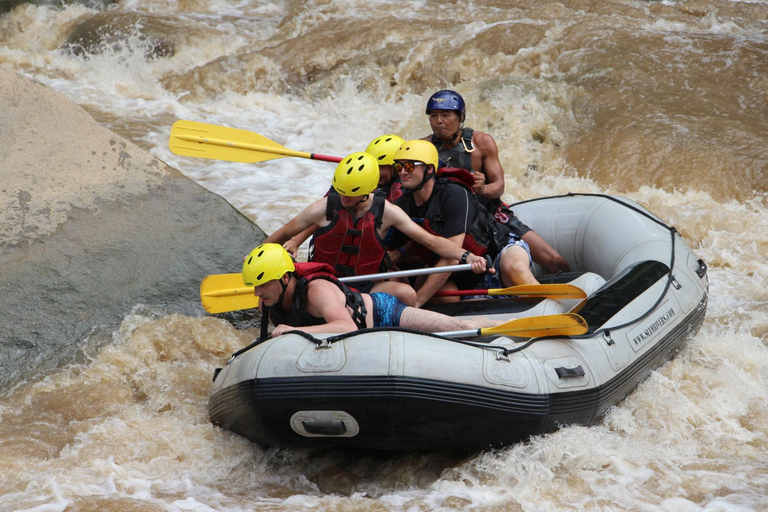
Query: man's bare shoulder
[484, 142]
[393, 215]
[316, 210]
[480, 138]
[322, 289]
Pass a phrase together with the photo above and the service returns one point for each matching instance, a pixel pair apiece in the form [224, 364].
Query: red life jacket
[395, 192]
[297, 315]
[352, 247]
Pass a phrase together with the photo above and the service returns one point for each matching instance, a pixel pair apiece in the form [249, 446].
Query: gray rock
[92, 226]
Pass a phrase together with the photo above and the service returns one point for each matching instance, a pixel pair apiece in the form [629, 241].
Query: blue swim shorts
[387, 310]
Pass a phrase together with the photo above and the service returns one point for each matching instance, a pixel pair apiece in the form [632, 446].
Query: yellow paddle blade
[552, 291]
[220, 293]
[567, 324]
[201, 140]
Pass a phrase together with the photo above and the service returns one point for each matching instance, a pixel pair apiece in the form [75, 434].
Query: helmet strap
[362, 200]
[284, 286]
[427, 176]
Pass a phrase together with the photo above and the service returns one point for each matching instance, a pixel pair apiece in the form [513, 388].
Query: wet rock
[91, 226]
[119, 32]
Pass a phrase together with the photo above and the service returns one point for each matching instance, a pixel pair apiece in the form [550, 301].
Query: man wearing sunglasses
[475, 151]
[450, 209]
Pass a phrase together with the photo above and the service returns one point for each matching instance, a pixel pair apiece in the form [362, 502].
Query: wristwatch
[464, 257]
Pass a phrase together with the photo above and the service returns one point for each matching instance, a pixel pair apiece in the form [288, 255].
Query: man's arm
[458, 211]
[447, 249]
[324, 300]
[312, 215]
[436, 281]
[489, 177]
[292, 245]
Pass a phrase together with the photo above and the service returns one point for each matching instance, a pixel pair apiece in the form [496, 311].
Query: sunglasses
[407, 166]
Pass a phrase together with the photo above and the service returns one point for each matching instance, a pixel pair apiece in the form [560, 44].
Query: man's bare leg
[544, 254]
[515, 267]
[430, 321]
[404, 292]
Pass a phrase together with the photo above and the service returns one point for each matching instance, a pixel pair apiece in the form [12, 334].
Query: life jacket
[391, 192]
[483, 236]
[297, 315]
[459, 157]
[352, 247]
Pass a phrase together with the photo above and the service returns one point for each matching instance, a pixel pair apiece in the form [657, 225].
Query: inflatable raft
[394, 389]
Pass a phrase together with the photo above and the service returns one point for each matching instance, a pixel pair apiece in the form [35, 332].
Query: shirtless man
[307, 297]
[477, 152]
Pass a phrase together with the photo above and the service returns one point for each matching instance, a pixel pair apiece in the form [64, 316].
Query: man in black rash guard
[449, 209]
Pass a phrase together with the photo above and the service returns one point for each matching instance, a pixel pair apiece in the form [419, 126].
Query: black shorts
[505, 215]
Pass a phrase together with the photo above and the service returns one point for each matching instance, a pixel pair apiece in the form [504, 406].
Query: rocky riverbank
[91, 226]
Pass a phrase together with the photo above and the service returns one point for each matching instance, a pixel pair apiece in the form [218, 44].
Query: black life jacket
[352, 247]
[461, 158]
[457, 157]
[297, 316]
[483, 236]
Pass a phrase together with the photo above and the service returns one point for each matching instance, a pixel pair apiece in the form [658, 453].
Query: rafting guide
[476, 151]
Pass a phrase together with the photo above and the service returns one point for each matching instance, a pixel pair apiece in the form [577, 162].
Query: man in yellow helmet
[445, 205]
[308, 297]
[383, 149]
[352, 222]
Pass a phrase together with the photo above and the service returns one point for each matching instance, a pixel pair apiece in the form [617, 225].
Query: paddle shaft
[255, 147]
[566, 324]
[406, 273]
[552, 291]
[221, 293]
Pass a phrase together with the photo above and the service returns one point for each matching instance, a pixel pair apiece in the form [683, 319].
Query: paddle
[566, 324]
[552, 291]
[201, 140]
[220, 293]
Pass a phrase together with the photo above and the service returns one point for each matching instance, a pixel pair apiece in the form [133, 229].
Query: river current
[664, 102]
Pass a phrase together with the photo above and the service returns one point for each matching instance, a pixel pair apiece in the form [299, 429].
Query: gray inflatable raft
[394, 389]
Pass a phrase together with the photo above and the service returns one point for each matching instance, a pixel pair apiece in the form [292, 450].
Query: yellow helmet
[418, 151]
[266, 263]
[383, 148]
[356, 175]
